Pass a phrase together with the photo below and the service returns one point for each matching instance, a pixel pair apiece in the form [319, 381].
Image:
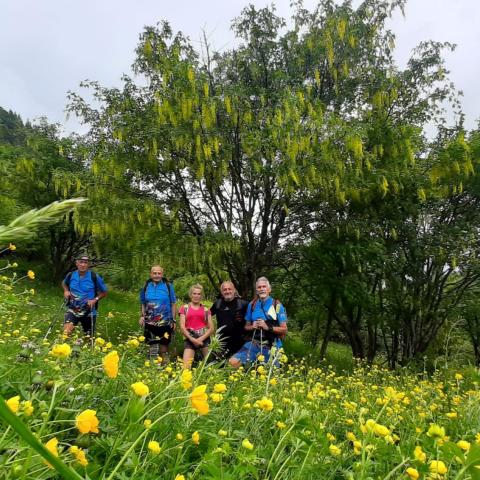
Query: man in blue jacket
[158, 311]
[82, 290]
[266, 320]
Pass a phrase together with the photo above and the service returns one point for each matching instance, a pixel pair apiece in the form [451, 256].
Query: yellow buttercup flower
[51, 446]
[61, 350]
[436, 431]
[458, 376]
[199, 400]
[12, 247]
[219, 388]
[216, 397]
[247, 444]
[147, 423]
[334, 450]
[381, 430]
[110, 364]
[223, 433]
[437, 466]
[27, 408]
[31, 275]
[87, 421]
[412, 473]
[265, 404]
[464, 445]
[13, 403]
[196, 438]
[79, 455]
[154, 447]
[186, 379]
[179, 437]
[280, 425]
[140, 389]
[180, 477]
[419, 454]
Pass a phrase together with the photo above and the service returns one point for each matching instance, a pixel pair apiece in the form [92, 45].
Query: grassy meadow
[107, 415]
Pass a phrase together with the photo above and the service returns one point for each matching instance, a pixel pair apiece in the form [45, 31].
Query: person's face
[263, 290]
[82, 265]
[196, 295]
[228, 292]
[156, 274]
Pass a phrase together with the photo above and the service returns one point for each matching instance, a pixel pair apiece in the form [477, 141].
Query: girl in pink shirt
[196, 326]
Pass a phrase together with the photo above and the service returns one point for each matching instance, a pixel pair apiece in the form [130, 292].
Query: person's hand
[262, 324]
[197, 342]
[91, 303]
[142, 321]
[67, 294]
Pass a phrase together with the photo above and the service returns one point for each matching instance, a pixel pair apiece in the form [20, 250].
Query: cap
[83, 257]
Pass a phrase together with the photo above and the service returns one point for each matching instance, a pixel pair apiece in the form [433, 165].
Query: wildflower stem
[30, 439]
[134, 444]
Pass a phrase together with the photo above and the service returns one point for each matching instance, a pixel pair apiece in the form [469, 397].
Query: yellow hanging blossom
[140, 389]
[196, 438]
[110, 364]
[31, 275]
[87, 421]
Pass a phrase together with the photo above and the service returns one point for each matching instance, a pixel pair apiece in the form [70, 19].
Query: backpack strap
[145, 286]
[68, 279]
[169, 289]
[218, 304]
[167, 283]
[95, 282]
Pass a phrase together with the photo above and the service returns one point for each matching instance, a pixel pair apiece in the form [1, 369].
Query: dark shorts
[87, 321]
[161, 334]
[188, 344]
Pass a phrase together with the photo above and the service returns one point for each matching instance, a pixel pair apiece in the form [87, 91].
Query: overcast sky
[48, 46]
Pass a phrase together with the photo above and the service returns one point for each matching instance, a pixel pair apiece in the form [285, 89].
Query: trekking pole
[52, 323]
[91, 329]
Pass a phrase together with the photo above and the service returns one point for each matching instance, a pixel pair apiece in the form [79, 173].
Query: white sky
[48, 46]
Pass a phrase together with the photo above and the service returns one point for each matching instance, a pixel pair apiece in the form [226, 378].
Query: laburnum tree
[221, 151]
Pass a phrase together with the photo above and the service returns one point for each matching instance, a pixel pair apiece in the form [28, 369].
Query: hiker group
[247, 330]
